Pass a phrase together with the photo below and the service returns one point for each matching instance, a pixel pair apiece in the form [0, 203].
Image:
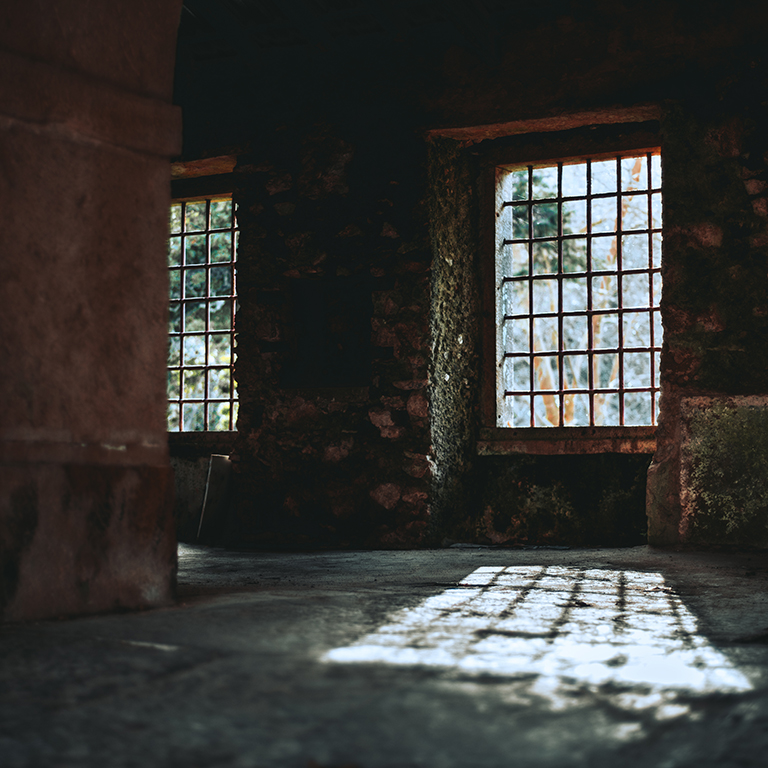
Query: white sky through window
[578, 286]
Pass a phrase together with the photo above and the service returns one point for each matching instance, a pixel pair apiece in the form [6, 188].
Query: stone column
[86, 132]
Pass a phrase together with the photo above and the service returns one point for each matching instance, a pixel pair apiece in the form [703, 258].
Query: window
[578, 284]
[201, 260]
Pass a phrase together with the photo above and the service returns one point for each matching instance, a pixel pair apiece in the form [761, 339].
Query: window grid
[602, 231]
[202, 247]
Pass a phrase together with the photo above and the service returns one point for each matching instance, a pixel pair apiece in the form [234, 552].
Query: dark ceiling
[216, 29]
[244, 64]
[248, 68]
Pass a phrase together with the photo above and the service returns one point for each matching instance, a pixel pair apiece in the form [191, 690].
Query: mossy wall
[455, 337]
[724, 458]
[563, 500]
[356, 211]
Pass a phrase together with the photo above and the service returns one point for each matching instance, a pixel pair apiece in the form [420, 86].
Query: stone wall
[456, 333]
[715, 305]
[500, 494]
[360, 266]
[332, 343]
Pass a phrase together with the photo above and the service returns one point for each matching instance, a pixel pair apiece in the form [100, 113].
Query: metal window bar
[619, 298]
[202, 250]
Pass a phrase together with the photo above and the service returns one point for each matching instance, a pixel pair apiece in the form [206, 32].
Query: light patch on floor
[564, 631]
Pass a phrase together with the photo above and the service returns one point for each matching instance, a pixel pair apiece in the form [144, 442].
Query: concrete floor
[460, 657]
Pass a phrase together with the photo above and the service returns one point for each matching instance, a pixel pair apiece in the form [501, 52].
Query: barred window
[201, 260]
[578, 284]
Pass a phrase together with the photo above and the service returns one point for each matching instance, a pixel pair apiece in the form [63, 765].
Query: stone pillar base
[84, 538]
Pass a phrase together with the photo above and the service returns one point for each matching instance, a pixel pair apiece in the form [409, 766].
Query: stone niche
[724, 470]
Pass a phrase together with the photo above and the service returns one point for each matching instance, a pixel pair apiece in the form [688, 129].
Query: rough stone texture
[715, 303]
[455, 327]
[333, 269]
[724, 470]
[320, 142]
[85, 135]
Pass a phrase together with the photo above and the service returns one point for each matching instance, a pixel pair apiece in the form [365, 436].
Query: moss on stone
[576, 500]
[454, 332]
[729, 475]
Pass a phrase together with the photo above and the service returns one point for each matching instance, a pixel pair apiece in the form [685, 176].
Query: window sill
[566, 440]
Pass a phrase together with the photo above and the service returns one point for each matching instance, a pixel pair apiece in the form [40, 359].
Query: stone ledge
[567, 440]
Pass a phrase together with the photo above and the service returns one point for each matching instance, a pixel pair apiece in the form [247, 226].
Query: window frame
[192, 195]
[591, 142]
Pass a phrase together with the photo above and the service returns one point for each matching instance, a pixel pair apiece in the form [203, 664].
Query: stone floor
[447, 658]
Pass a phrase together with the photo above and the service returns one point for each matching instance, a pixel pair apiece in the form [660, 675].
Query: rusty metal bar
[206, 333]
[540, 384]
